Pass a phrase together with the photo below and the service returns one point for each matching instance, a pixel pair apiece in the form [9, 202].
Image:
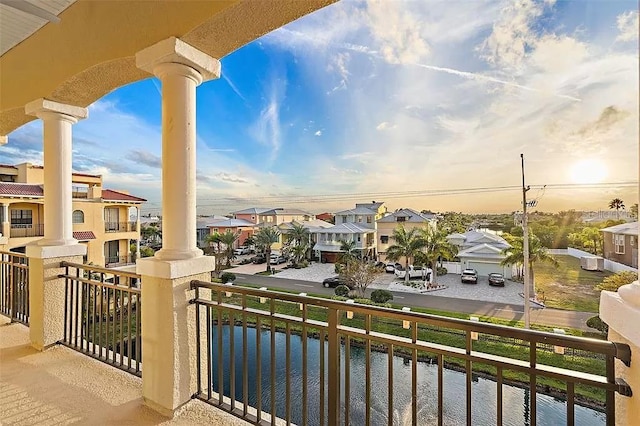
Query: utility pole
[525, 250]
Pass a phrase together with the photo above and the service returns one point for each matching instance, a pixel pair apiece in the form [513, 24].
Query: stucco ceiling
[92, 51]
[16, 25]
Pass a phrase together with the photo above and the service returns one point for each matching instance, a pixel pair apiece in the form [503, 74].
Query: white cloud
[628, 24]
[318, 133]
[385, 126]
[267, 129]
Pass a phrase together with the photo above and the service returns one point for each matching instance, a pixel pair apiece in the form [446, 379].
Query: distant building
[327, 217]
[604, 215]
[481, 251]
[251, 214]
[101, 217]
[621, 243]
[408, 218]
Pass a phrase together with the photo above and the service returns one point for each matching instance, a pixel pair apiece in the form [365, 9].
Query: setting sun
[588, 171]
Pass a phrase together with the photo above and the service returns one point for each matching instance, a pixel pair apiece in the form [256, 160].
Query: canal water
[516, 407]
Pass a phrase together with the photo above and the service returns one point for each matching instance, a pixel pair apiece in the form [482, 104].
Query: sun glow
[588, 171]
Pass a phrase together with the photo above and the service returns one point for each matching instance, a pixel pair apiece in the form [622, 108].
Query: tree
[359, 274]
[299, 238]
[348, 251]
[150, 233]
[589, 238]
[436, 247]
[617, 204]
[265, 238]
[537, 253]
[212, 239]
[615, 281]
[634, 211]
[228, 239]
[407, 244]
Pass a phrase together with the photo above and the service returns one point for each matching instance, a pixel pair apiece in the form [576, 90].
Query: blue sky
[385, 99]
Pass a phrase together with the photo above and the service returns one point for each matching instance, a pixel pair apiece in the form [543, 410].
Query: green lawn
[567, 286]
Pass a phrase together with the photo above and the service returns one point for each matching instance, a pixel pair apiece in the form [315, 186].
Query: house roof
[229, 223]
[372, 206]
[410, 215]
[482, 250]
[347, 228]
[253, 210]
[624, 228]
[111, 195]
[21, 189]
[357, 210]
[84, 235]
[311, 225]
[206, 221]
[281, 211]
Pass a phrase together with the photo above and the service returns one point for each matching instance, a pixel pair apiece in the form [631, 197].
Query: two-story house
[101, 217]
[251, 214]
[357, 225]
[408, 218]
[621, 243]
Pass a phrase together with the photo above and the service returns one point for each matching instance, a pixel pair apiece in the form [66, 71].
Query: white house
[481, 251]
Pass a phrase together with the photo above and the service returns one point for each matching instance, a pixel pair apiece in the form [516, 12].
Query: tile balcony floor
[60, 386]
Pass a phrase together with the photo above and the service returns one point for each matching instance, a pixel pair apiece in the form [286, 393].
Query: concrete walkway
[60, 386]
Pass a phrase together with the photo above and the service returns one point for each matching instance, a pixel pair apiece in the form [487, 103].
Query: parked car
[241, 250]
[414, 272]
[276, 260]
[496, 279]
[391, 267]
[335, 282]
[260, 258]
[469, 276]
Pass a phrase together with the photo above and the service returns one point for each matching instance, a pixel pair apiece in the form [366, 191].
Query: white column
[180, 68]
[57, 120]
[138, 231]
[3, 140]
[168, 320]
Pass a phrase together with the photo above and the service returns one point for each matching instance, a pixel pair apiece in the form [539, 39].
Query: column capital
[42, 108]
[174, 50]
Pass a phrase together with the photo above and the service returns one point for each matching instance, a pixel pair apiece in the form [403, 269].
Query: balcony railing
[79, 192]
[120, 226]
[244, 341]
[102, 315]
[24, 231]
[115, 261]
[14, 286]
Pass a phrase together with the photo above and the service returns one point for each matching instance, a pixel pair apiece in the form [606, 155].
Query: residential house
[327, 217]
[365, 214]
[481, 251]
[407, 218]
[621, 243]
[251, 214]
[101, 217]
[220, 225]
[328, 240]
[314, 226]
[279, 215]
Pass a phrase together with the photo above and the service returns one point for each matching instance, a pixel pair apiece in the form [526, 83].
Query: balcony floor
[60, 386]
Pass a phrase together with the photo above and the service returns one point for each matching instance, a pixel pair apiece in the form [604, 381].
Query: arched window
[78, 216]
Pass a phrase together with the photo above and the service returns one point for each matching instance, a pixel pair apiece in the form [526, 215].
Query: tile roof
[624, 228]
[20, 189]
[253, 210]
[84, 235]
[109, 194]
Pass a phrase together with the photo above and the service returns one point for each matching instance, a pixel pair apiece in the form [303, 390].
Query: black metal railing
[244, 359]
[79, 192]
[120, 226]
[14, 286]
[23, 231]
[115, 261]
[102, 315]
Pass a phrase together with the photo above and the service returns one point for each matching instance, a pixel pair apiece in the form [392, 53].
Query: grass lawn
[567, 286]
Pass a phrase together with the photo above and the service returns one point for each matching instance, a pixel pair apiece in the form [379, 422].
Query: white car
[414, 272]
[241, 250]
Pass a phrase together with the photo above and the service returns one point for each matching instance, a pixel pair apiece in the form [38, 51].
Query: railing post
[621, 312]
[333, 367]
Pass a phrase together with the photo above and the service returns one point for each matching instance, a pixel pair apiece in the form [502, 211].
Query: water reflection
[516, 405]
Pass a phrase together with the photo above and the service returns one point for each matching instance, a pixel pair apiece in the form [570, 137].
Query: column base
[174, 254]
[171, 269]
[39, 251]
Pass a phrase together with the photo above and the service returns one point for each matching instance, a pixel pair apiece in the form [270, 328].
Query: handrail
[100, 269]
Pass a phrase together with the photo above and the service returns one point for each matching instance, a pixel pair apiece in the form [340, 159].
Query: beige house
[408, 218]
[101, 217]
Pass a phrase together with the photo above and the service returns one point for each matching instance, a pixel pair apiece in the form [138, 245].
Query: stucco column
[180, 68]
[138, 232]
[6, 224]
[168, 320]
[57, 120]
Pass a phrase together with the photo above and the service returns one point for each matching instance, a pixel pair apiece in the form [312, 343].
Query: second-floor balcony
[116, 261]
[130, 226]
[27, 230]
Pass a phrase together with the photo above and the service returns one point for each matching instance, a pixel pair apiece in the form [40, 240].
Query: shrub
[381, 296]
[615, 281]
[441, 270]
[227, 277]
[597, 323]
[342, 290]
[338, 268]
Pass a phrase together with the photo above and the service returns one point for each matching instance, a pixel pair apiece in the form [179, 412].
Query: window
[21, 217]
[401, 219]
[368, 219]
[78, 216]
[384, 239]
[618, 241]
[358, 237]
[344, 219]
[359, 219]
[632, 241]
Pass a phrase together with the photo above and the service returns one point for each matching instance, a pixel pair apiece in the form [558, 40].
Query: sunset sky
[398, 102]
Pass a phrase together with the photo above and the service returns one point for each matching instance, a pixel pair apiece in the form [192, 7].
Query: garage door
[484, 269]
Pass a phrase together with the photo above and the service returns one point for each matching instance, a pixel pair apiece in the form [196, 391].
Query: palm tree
[349, 251]
[437, 246]
[215, 239]
[265, 238]
[407, 245]
[537, 253]
[228, 239]
[617, 204]
[299, 239]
